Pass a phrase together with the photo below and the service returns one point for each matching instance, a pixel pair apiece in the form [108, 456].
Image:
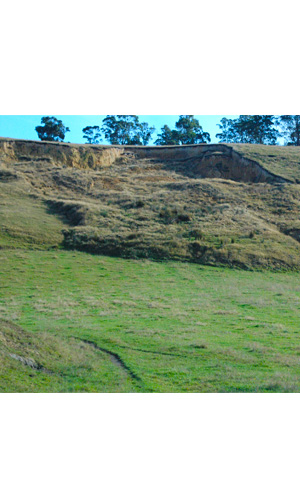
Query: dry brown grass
[144, 208]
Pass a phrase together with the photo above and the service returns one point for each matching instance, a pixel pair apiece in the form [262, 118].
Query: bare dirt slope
[215, 204]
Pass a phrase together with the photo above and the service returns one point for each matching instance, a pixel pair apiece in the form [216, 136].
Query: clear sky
[23, 126]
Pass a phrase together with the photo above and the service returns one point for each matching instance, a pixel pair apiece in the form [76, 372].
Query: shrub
[196, 233]
[183, 218]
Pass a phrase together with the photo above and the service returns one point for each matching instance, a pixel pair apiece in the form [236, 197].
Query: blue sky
[23, 126]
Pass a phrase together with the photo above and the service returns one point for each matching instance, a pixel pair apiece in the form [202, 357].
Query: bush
[183, 218]
[196, 233]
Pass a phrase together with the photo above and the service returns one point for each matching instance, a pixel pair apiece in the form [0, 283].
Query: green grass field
[77, 322]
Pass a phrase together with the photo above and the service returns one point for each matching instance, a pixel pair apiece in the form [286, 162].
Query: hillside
[279, 160]
[71, 321]
[234, 205]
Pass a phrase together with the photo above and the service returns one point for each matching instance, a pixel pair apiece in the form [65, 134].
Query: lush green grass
[163, 327]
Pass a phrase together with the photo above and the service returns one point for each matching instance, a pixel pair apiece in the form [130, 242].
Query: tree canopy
[92, 135]
[126, 129]
[290, 129]
[145, 133]
[167, 137]
[188, 131]
[251, 129]
[52, 129]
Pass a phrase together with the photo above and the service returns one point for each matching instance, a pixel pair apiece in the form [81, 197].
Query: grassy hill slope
[94, 323]
[78, 322]
[169, 203]
[283, 161]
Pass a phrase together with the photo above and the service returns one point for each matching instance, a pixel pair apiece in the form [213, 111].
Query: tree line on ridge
[128, 130]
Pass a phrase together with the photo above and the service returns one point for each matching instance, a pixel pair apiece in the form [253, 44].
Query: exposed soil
[206, 203]
[201, 160]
